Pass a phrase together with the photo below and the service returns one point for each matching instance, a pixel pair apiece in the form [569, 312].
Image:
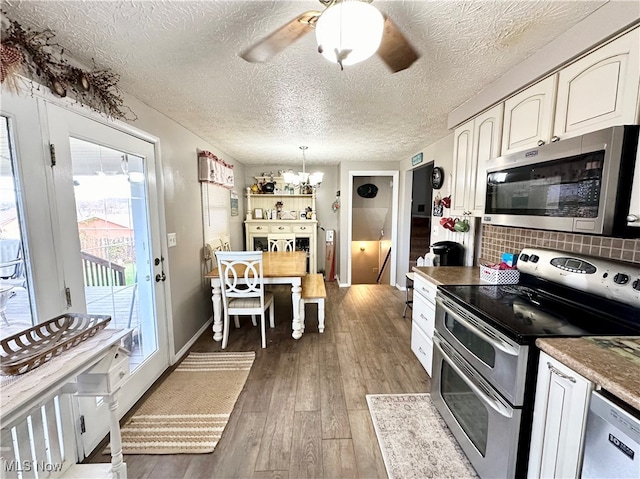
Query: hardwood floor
[303, 411]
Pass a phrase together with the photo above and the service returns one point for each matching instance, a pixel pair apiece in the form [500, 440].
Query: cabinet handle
[555, 139]
[259, 228]
[280, 227]
[421, 350]
[303, 227]
[541, 142]
[632, 218]
[557, 372]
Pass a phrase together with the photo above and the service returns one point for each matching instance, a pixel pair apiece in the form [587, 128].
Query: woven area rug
[414, 439]
[187, 413]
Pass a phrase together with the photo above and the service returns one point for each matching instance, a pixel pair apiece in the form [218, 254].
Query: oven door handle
[493, 341]
[493, 403]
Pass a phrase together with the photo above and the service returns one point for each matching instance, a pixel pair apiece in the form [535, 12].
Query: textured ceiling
[181, 58]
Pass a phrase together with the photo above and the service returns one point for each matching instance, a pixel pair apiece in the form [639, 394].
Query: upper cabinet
[601, 89]
[528, 116]
[597, 91]
[476, 143]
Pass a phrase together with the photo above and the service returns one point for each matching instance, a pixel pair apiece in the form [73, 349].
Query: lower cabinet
[423, 318]
[559, 419]
[422, 346]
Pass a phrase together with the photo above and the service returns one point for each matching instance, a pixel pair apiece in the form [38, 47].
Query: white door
[105, 190]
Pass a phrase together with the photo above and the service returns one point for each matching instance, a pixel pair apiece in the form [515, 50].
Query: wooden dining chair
[243, 293]
[281, 242]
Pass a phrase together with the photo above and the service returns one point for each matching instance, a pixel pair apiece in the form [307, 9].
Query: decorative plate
[437, 178]
[367, 191]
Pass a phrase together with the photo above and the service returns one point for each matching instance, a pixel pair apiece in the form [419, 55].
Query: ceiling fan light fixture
[349, 32]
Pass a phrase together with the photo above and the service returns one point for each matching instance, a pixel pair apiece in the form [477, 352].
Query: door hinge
[67, 293]
[83, 427]
[52, 152]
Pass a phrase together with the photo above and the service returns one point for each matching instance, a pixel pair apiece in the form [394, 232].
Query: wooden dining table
[278, 267]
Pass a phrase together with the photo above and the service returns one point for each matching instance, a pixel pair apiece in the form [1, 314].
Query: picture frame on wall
[303, 214]
[257, 214]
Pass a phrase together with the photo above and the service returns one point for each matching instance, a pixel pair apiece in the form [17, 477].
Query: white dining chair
[225, 243]
[243, 293]
[281, 242]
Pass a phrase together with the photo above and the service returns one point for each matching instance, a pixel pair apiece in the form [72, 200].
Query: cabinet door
[487, 134]
[528, 116]
[462, 163]
[601, 89]
[559, 417]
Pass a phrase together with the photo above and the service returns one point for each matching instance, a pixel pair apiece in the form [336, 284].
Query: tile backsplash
[499, 239]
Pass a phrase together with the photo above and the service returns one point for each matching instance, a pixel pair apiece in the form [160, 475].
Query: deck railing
[100, 272]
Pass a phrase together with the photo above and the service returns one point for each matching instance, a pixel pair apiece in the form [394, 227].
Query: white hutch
[296, 216]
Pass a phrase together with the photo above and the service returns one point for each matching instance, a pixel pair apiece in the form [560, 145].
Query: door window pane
[16, 312]
[113, 228]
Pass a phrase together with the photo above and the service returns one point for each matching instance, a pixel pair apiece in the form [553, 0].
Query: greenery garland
[38, 57]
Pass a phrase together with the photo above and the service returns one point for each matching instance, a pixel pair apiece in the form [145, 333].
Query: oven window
[569, 187]
[468, 410]
[479, 347]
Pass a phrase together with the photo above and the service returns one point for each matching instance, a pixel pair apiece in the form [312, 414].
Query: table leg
[295, 299]
[118, 466]
[216, 298]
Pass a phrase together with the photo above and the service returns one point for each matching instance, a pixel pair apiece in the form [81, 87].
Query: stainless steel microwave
[580, 184]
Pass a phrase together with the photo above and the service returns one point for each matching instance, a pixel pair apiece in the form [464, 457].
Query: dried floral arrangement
[35, 55]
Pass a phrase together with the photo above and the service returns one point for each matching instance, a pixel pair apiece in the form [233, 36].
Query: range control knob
[621, 278]
[636, 285]
[534, 258]
[524, 257]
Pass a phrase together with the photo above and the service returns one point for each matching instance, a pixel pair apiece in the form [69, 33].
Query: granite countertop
[610, 362]
[450, 274]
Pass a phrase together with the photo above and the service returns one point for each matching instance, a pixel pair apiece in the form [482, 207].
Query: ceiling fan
[347, 31]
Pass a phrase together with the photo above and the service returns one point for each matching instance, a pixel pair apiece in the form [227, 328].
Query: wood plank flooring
[303, 412]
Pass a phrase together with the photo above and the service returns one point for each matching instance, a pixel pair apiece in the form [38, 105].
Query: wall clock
[437, 177]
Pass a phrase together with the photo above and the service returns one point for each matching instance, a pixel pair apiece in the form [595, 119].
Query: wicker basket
[35, 346]
[499, 276]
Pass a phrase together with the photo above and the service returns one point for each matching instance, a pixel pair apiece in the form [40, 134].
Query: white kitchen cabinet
[600, 89]
[305, 231]
[528, 116]
[476, 143]
[559, 419]
[423, 317]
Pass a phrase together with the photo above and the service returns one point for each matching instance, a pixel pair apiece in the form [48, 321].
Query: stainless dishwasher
[612, 440]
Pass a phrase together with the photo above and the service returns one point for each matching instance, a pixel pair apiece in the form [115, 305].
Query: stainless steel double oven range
[485, 358]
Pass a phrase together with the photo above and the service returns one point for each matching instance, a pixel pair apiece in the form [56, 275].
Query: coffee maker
[449, 253]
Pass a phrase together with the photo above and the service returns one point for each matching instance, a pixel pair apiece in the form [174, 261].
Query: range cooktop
[559, 294]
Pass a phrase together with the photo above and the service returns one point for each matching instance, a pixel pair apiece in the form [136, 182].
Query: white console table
[29, 444]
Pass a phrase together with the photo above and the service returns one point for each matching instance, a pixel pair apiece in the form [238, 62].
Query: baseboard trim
[185, 349]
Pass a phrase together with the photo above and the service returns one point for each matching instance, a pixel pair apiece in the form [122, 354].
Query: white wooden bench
[313, 291]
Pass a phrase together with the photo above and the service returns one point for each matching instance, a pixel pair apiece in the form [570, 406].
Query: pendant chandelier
[303, 179]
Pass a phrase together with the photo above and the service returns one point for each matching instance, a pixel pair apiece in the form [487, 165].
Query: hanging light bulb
[349, 32]
[303, 179]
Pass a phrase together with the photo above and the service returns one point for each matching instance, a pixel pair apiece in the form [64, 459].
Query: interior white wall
[441, 153]
[190, 294]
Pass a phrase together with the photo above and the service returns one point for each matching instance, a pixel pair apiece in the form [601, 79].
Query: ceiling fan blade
[395, 50]
[274, 43]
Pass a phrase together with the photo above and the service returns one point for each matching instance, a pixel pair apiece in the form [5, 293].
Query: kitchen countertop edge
[605, 368]
[440, 275]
